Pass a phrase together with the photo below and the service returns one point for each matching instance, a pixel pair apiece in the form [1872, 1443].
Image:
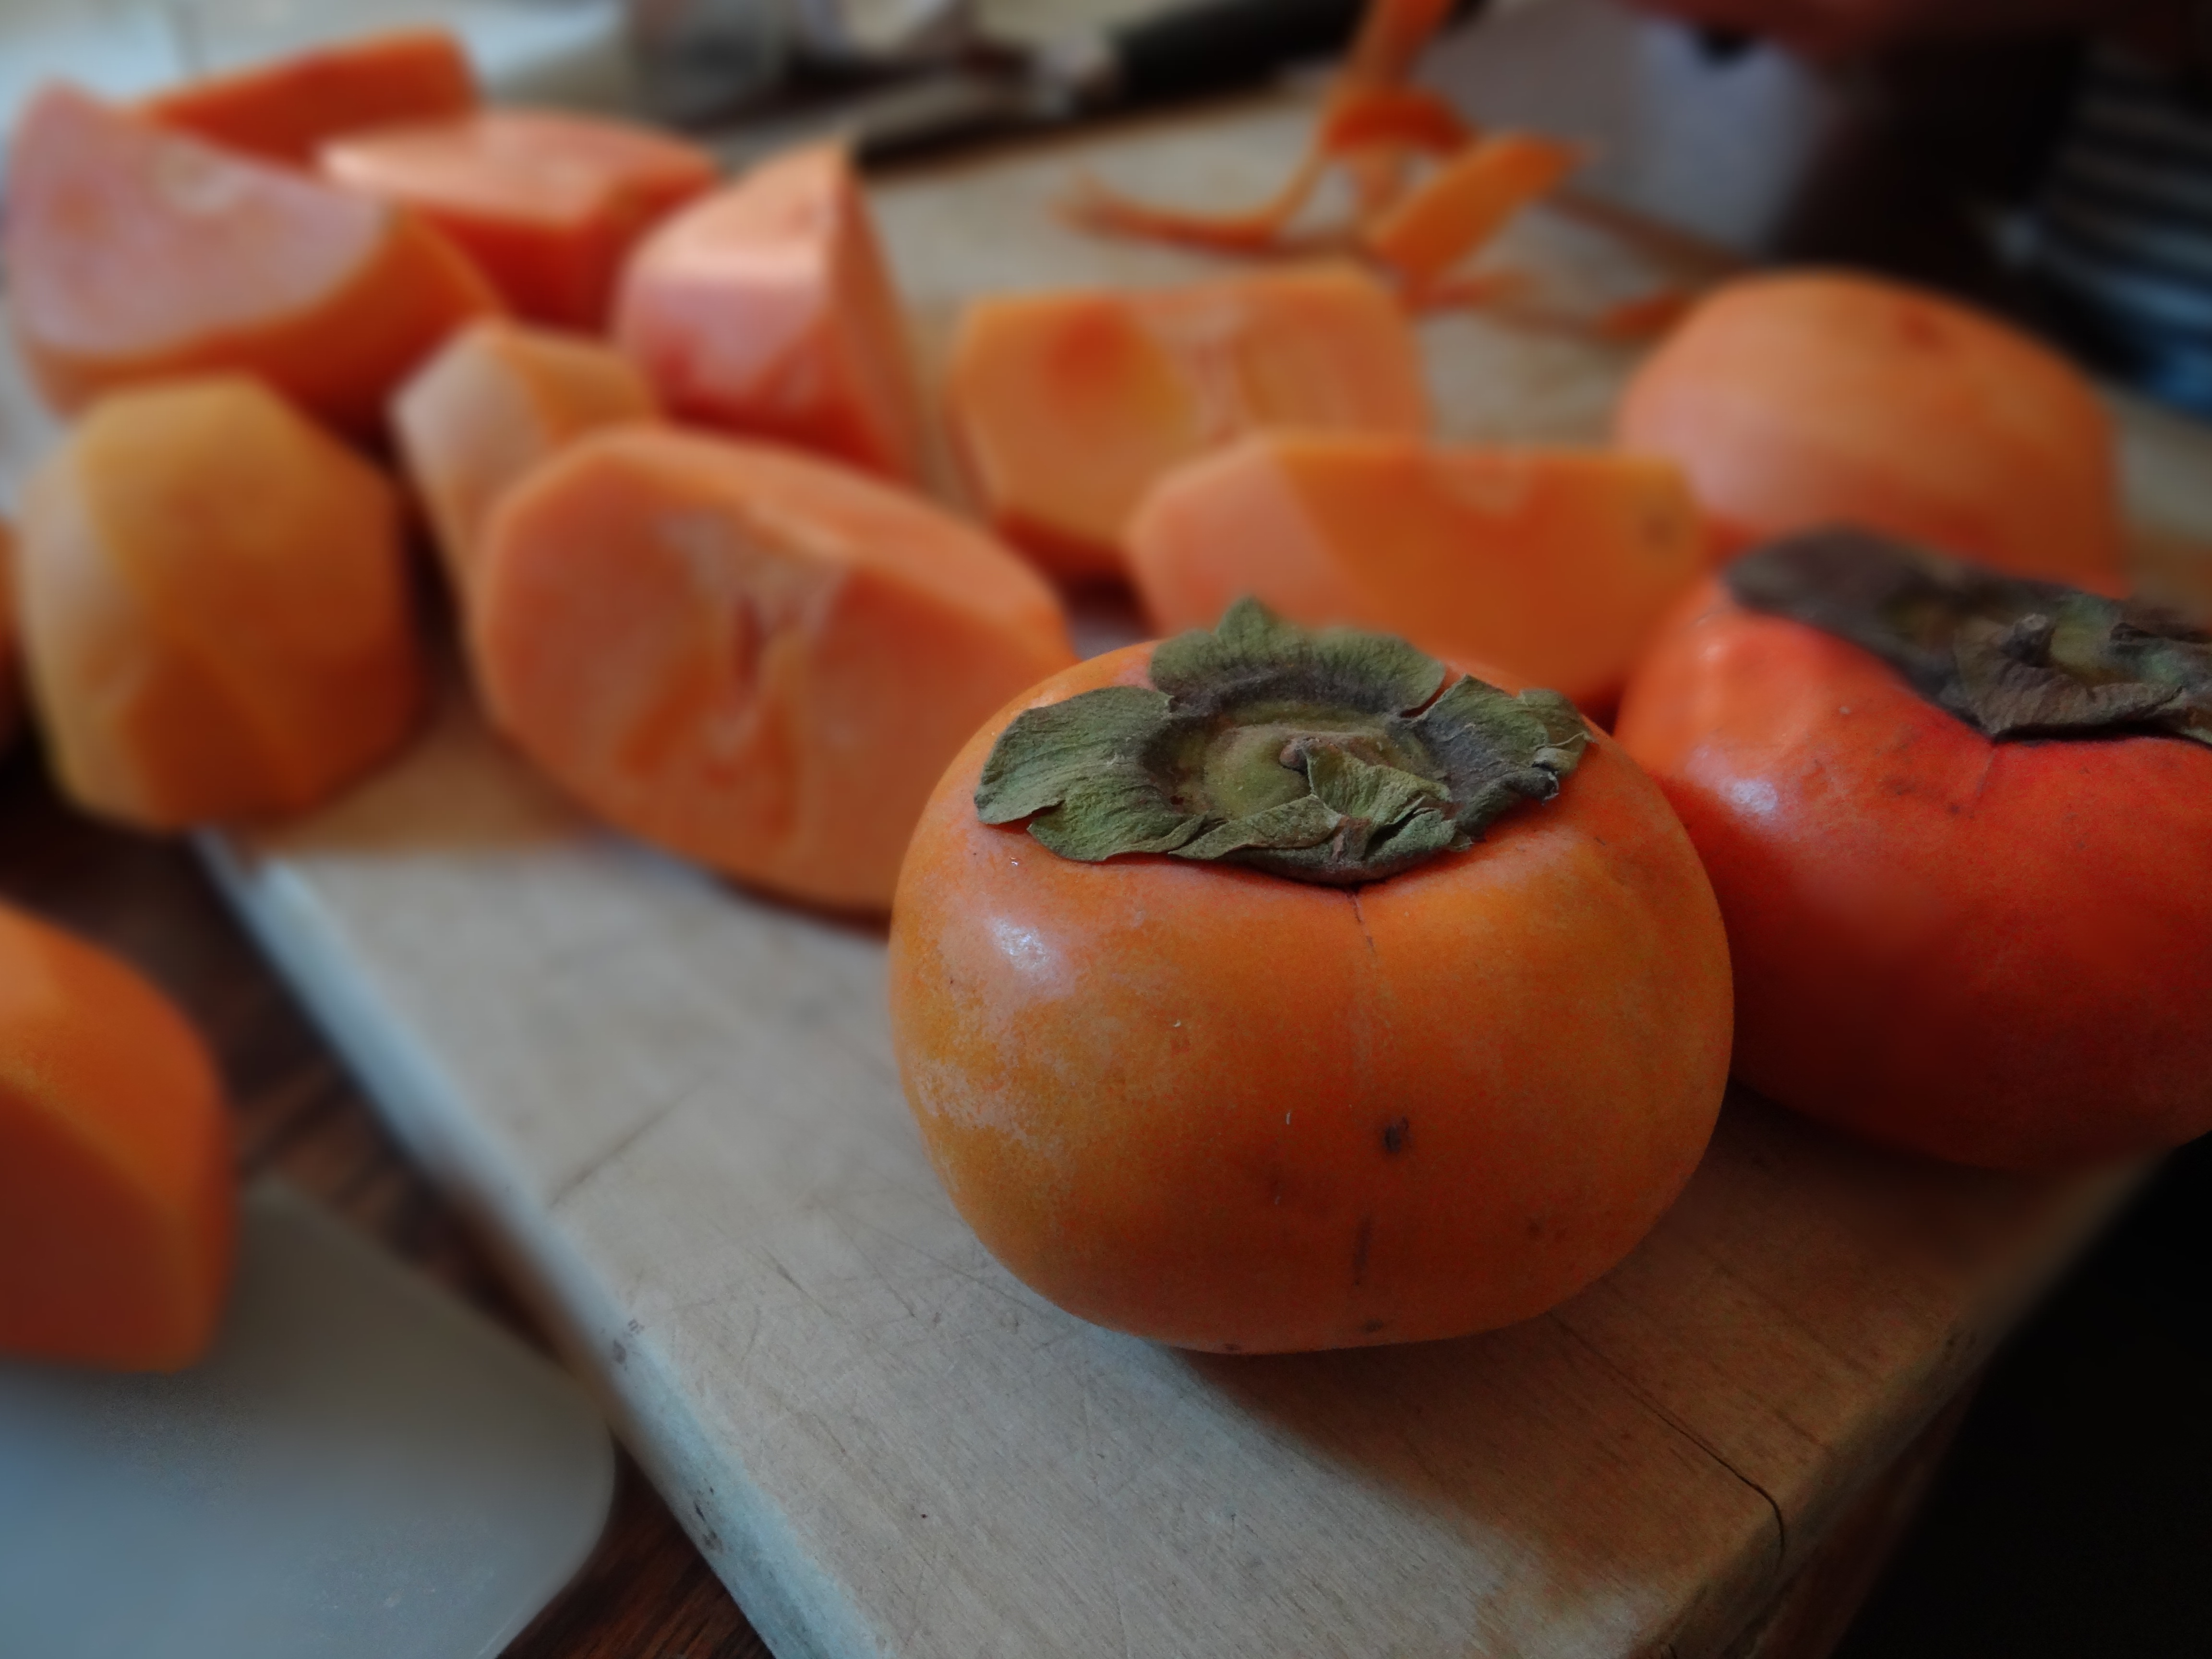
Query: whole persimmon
[1263, 990]
[1808, 398]
[1957, 824]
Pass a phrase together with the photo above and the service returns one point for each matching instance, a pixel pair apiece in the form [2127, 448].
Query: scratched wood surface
[672, 1109]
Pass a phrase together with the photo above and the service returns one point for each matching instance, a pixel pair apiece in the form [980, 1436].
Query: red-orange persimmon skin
[1999, 953]
[1230, 1111]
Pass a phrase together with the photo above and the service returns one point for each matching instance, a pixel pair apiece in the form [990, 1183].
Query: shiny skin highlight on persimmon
[1408, 1091]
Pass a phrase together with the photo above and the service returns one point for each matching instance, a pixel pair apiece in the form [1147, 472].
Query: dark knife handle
[1216, 45]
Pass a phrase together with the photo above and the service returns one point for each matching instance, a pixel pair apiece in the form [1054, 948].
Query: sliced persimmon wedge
[497, 400]
[118, 1209]
[1551, 565]
[134, 254]
[1067, 406]
[767, 309]
[755, 658]
[547, 202]
[283, 110]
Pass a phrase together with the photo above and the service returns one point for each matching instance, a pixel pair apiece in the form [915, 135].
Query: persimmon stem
[2012, 658]
[1336, 757]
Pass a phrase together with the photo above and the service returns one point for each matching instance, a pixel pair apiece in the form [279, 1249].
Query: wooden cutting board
[674, 1109]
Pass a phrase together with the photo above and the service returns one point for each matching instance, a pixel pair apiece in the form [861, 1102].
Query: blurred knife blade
[992, 88]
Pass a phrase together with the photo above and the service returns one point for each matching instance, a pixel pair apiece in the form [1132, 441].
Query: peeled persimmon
[1799, 401]
[757, 659]
[1261, 990]
[284, 110]
[1066, 407]
[118, 1203]
[215, 606]
[134, 254]
[496, 401]
[1553, 565]
[767, 309]
[1956, 821]
[547, 202]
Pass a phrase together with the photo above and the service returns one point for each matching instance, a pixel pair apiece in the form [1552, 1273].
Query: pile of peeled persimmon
[1324, 974]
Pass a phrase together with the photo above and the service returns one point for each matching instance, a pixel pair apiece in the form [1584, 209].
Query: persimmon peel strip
[1358, 120]
[1466, 203]
[1372, 126]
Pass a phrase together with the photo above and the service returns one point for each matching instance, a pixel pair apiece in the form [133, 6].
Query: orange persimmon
[1975, 918]
[134, 254]
[496, 401]
[767, 309]
[758, 660]
[1553, 565]
[1066, 407]
[215, 607]
[285, 109]
[1400, 1096]
[1803, 400]
[548, 204]
[118, 1203]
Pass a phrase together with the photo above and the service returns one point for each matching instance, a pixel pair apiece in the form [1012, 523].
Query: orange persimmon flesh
[215, 607]
[495, 402]
[1466, 203]
[136, 254]
[767, 309]
[757, 659]
[1798, 401]
[548, 204]
[1066, 407]
[1554, 566]
[282, 111]
[117, 1204]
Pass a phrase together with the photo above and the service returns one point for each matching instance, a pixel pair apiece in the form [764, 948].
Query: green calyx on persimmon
[2012, 658]
[1336, 756]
